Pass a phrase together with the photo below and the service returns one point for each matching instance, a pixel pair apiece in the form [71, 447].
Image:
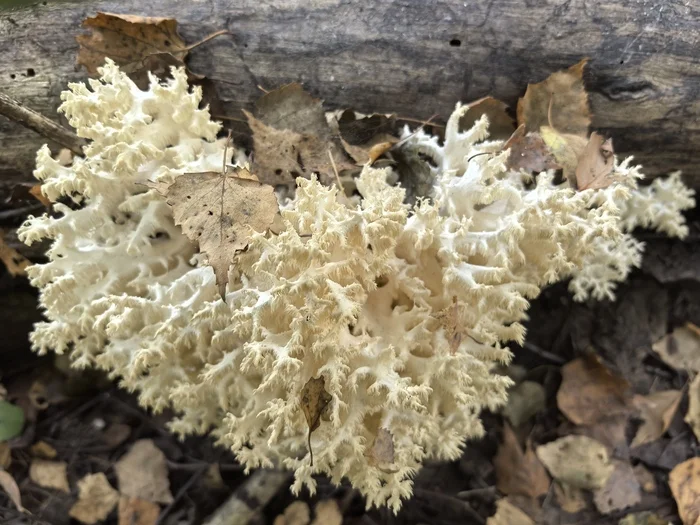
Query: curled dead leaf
[509, 514]
[657, 411]
[566, 148]
[622, 490]
[314, 400]
[560, 101]
[136, 511]
[680, 349]
[381, 454]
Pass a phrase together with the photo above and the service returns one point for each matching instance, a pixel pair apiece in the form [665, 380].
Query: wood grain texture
[412, 57]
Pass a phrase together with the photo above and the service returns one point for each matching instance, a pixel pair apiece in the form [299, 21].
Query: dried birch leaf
[292, 138]
[501, 124]
[529, 152]
[590, 392]
[220, 212]
[36, 192]
[142, 473]
[49, 474]
[96, 499]
[519, 473]
[595, 165]
[368, 138]
[684, 481]
[657, 411]
[580, 461]
[314, 400]
[9, 485]
[560, 101]
[128, 39]
[566, 148]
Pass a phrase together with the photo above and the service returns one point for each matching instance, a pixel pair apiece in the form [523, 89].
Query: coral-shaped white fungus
[403, 312]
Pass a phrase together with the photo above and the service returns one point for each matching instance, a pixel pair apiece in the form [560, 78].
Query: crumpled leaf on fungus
[314, 400]
[219, 212]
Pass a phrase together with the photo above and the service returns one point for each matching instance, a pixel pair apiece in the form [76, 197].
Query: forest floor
[596, 370]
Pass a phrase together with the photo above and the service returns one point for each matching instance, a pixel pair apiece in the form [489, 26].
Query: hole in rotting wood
[30, 72]
[455, 42]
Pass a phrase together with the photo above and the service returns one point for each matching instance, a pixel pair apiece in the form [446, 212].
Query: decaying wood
[411, 57]
[45, 127]
[250, 498]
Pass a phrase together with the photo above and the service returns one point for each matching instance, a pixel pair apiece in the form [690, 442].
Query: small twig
[421, 121]
[543, 353]
[223, 467]
[207, 39]
[480, 492]
[180, 494]
[335, 170]
[249, 498]
[19, 212]
[42, 125]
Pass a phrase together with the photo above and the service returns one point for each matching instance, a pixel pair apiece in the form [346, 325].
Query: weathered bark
[412, 57]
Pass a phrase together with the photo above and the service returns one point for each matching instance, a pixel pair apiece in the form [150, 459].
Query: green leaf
[11, 420]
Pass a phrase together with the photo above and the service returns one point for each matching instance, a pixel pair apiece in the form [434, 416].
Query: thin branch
[29, 118]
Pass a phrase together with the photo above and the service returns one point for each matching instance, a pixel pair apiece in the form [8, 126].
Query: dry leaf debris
[142, 473]
[518, 472]
[314, 402]
[137, 511]
[580, 461]
[96, 499]
[9, 485]
[49, 474]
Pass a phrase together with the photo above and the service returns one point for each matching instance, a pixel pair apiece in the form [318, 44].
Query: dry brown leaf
[142, 473]
[692, 416]
[136, 511]
[449, 320]
[212, 478]
[327, 513]
[381, 454]
[621, 491]
[220, 212]
[566, 148]
[580, 461]
[517, 472]
[9, 485]
[610, 431]
[314, 400]
[590, 392]
[15, 262]
[680, 349]
[49, 474]
[657, 411]
[368, 138]
[560, 101]
[529, 152]
[41, 449]
[36, 192]
[501, 124]
[509, 514]
[595, 165]
[96, 499]
[684, 481]
[297, 513]
[292, 138]
[127, 39]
